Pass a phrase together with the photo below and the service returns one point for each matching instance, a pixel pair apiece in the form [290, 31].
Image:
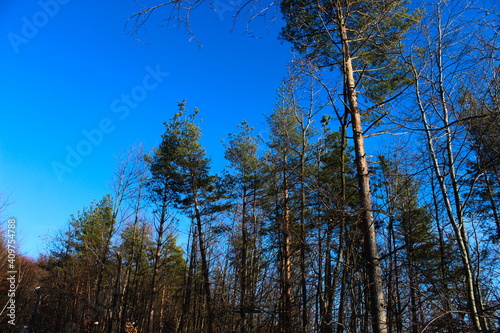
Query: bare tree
[445, 56]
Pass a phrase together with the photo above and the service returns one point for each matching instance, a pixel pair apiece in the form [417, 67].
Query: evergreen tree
[282, 164]
[80, 268]
[412, 247]
[480, 109]
[288, 175]
[338, 239]
[356, 37]
[93, 230]
[181, 160]
[135, 247]
[242, 153]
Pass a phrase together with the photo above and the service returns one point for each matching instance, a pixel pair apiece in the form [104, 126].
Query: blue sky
[73, 83]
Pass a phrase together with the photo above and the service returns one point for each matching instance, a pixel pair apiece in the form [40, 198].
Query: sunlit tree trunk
[454, 211]
[377, 302]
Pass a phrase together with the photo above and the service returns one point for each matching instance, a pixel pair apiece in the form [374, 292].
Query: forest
[371, 202]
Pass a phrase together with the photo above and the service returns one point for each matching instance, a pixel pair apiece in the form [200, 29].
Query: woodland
[371, 204]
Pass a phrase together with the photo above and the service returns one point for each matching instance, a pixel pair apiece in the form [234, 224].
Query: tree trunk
[303, 273]
[456, 218]
[186, 304]
[372, 261]
[157, 259]
[285, 321]
[244, 269]
[204, 267]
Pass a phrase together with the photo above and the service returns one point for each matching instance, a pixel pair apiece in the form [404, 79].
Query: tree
[241, 152]
[136, 246]
[80, 270]
[182, 158]
[293, 155]
[129, 210]
[480, 109]
[4, 202]
[163, 188]
[27, 275]
[412, 246]
[361, 39]
[338, 198]
[438, 63]
[283, 167]
[90, 270]
[94, 229]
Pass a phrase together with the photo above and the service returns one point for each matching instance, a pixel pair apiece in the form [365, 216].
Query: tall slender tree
[360, 39]
[183, 156]
[437, 64]
[129, 196]
[282, 169]
[242, 153]
[163, 187]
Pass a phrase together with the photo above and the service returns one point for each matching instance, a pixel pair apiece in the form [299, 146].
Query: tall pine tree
[356, 37]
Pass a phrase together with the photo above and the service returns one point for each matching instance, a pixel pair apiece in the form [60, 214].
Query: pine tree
[480, 109]
[94, 229]
[412, 247]
[356, 37]
[163, 188]
[282, 174]
[242, 153]
[336, 192]
[135, 246]
[181, 160]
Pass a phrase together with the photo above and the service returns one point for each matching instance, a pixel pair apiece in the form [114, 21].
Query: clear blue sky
[70, 75]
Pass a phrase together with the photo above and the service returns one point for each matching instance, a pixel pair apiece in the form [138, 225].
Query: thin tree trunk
[303, 273]
[326, 315]
[186, 304]
[244, 269]
[123, 302]
[99, 302]
[205, 269]
[442, 252]
[343, 228]
[114, 310]
[157, 262]
[285, 320]
[457, 221]
[391, 307]
[412, 282]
